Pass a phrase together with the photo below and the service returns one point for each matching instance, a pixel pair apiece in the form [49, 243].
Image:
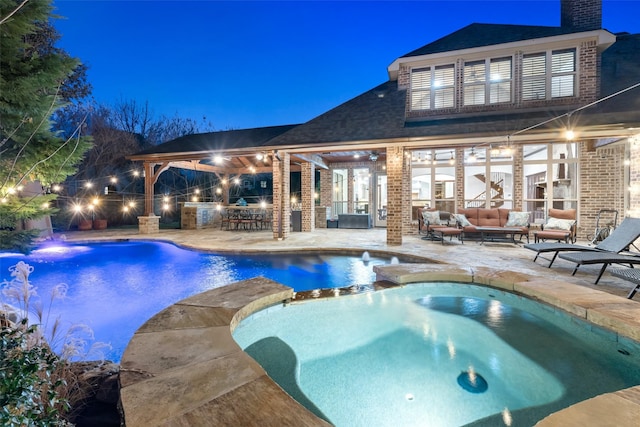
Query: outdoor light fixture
[259, 156]
[472, 157]
[217, 159]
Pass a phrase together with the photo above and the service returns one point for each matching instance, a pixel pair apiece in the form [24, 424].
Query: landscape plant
[38, 386]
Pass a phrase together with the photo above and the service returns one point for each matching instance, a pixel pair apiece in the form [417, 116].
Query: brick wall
[581, 15]
[602, 184]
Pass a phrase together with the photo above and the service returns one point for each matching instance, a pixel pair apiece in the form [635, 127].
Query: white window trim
[549, 75]
[433, 89]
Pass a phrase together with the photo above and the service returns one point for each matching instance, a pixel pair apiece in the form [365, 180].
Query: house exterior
[520, 117]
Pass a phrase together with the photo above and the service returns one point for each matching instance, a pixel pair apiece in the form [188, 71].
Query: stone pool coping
[183, 367]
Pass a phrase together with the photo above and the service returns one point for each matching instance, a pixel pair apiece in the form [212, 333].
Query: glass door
[380, 197]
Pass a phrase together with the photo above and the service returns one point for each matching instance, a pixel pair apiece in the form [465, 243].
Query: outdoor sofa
[469, 219]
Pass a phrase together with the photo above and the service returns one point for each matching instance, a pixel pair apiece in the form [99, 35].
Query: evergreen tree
[36, 79]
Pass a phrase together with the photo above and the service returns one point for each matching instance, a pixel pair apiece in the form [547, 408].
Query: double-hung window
[549, 75]
[432, 87]
[487, 81]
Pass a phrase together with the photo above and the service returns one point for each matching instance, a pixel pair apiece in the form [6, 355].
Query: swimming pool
[114, 287]
[394, 357]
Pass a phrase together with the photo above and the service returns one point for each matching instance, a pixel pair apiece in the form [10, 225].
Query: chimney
[581, 15]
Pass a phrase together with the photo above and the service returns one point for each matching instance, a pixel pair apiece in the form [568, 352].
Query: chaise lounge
[605, 252]
[604, 258]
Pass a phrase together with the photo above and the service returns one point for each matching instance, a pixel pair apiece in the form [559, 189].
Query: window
[500, 80]
[539, 81]
[494, 86]
[488, 178]
[550, 175]
[433, 179]
[474, 83]
[432, 87]
[563, 70]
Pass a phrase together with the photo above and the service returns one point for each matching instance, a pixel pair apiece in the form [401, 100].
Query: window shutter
[533, 77]
[563, 67]
[443, 84]
[500, 80]
[420, 88]
[474, 83]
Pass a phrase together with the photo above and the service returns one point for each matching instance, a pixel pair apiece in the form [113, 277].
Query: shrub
[36, 385]
[29, 380]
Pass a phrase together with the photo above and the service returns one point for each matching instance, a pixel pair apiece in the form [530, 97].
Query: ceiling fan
[374, 156]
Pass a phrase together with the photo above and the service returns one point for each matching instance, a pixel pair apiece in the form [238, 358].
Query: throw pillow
[462, 220]
[431, 217]
[517, 219]
[558, 224]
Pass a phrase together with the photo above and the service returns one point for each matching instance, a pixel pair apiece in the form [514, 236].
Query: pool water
[114, 287]
[393, 357]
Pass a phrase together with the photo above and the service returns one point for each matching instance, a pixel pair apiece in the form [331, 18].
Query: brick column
[326, 189]
[395, 201]
[407, 226]
[281, 195]
[308, 201]
[518, 177]
[350, 189]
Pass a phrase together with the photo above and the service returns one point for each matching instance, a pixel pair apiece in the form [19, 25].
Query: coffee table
[500, 234]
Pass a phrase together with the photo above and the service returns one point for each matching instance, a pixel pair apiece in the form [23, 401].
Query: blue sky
[244, 64]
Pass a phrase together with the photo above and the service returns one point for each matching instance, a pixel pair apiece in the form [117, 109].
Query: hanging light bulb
[452, 160]
[472, 157]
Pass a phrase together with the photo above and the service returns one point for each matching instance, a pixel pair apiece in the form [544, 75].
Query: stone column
[308, 200]
[149, 224]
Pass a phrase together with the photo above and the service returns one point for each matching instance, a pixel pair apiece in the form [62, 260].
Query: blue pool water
[393, 357]
[114, 287]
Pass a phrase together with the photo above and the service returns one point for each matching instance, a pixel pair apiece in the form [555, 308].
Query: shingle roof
[479, 35]
[220, 141]
[379, 113]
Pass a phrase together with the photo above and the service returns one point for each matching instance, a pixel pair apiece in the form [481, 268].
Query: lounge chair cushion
[517, 219]
[559, 224]
[462, 219]
[431, 217]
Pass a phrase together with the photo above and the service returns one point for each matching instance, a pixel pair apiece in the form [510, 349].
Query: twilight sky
[244, 64]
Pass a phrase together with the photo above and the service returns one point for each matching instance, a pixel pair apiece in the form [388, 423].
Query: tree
[36, 79]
